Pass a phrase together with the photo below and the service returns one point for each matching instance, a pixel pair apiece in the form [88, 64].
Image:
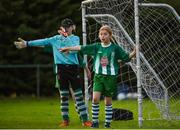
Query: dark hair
[67, 23]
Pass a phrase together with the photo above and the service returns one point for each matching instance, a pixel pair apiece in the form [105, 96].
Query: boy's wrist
[26, 43]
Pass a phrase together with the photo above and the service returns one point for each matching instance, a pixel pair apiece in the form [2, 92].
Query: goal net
[159, 31]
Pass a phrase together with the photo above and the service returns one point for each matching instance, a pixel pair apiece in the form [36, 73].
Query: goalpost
[157, 65]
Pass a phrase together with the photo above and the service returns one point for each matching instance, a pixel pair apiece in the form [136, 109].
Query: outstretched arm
[21, 43]
[67, 49]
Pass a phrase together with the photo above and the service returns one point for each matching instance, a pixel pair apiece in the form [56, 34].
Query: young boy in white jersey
[106, 56]
[68, 68]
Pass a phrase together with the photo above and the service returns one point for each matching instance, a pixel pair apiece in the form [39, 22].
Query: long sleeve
[89, 49]
[41, 42]
[121, 54]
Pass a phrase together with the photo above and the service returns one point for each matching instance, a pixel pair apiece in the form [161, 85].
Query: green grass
[43, 113]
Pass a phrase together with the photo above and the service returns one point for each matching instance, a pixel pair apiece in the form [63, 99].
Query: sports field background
[43, 113]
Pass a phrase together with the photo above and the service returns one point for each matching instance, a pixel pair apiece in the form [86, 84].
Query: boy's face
[67, 30]
[104, 36]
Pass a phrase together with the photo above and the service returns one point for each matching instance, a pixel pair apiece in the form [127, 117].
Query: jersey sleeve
[41, 42]
[89, 49]
[122, 54]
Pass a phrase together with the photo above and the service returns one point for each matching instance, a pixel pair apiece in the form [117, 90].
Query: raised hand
[133, 53]
[20, 43]
[63, 32]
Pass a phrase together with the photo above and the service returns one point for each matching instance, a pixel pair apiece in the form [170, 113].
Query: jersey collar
[102, 44]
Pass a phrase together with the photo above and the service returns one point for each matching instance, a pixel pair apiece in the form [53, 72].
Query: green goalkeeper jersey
[105, 57]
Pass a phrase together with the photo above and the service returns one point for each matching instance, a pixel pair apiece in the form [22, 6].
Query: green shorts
[106, 84]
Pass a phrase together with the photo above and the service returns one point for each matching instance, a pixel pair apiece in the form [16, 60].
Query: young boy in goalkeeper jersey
[68, 68]
[82, 64]
[106, 56]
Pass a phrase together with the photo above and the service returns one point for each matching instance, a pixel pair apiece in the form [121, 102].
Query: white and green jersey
[105, 57]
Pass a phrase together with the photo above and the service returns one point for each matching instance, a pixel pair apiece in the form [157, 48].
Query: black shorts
[69, 74]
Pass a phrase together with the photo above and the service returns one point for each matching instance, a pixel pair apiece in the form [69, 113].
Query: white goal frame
[139, 55]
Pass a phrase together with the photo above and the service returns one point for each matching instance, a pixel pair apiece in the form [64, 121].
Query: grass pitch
[44, 113]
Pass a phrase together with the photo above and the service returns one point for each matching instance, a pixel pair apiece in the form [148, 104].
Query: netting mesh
[159, 37]
[159, 46]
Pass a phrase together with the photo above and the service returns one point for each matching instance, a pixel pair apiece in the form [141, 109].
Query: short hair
[67, 23]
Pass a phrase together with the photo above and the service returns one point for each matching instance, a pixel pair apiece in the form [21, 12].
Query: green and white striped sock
[108, 112]
[95, 112]
[81, 105]
[64, 104]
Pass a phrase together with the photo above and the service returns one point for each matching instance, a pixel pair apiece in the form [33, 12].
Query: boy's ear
[74, 27]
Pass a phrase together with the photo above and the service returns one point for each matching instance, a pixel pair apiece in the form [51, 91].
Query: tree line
[34, 19]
